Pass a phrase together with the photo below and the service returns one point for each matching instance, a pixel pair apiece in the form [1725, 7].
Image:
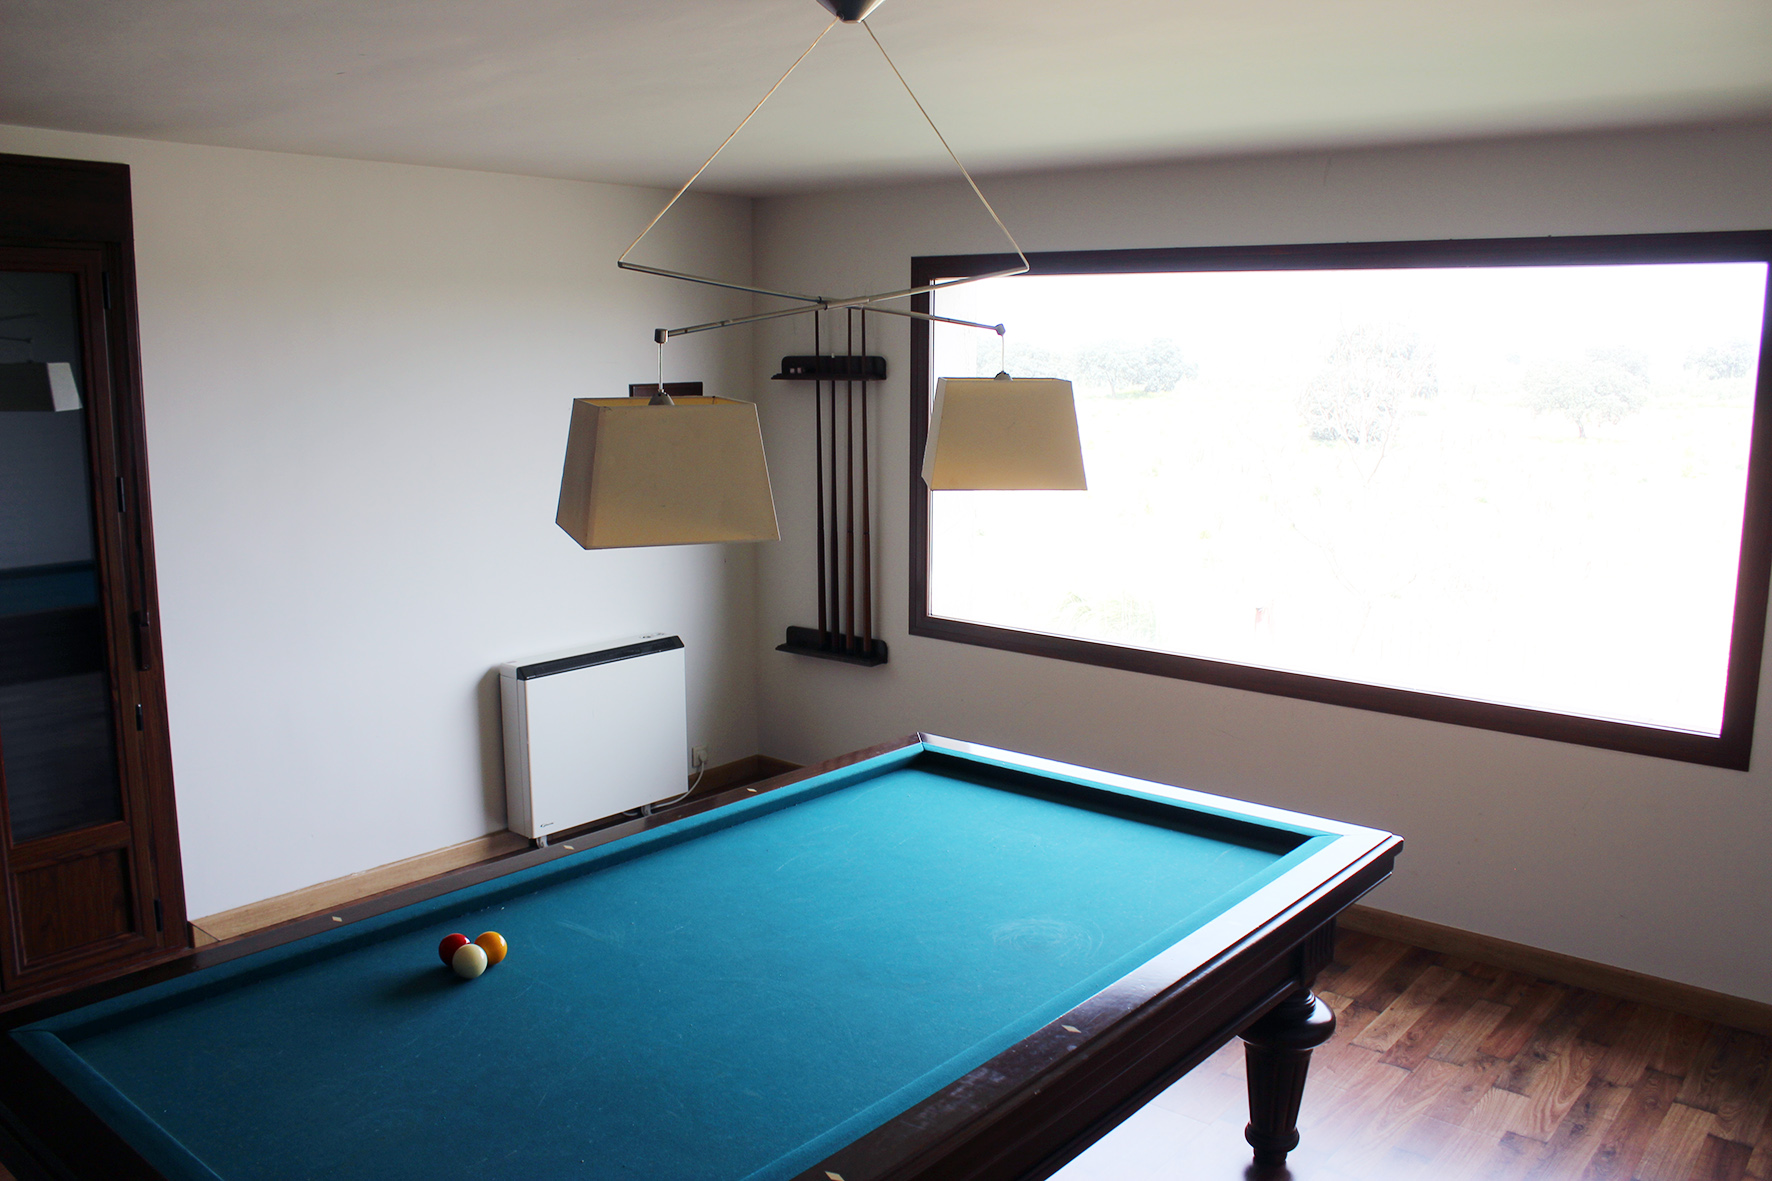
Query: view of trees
[1723, 361]
[1155, 367]
[1602, 388]
[1370, 374]
[1123, 367]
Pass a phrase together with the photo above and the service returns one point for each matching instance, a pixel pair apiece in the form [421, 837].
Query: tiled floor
[1457, 1071]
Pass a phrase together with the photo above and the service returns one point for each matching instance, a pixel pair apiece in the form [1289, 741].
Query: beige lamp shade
[1003, 433]
[684, 474]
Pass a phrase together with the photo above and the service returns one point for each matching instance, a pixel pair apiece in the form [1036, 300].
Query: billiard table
[928, 959]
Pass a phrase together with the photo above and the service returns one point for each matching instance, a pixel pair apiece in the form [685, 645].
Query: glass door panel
[58, 755]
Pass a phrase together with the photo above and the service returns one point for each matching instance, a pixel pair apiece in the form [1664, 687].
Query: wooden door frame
[76, 215]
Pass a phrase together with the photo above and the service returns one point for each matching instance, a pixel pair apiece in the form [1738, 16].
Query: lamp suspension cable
[823, 302]
[950, 151]
[623, 260]
[659, 396]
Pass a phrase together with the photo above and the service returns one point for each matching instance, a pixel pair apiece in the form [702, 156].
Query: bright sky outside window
[1513, 484]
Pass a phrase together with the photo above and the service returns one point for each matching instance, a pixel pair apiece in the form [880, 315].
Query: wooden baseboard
[1738, 1012]
[740, 773]
[256, 916]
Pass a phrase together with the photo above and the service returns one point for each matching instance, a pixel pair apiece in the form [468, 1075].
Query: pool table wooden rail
[1030, 1110]
[1022, 1115]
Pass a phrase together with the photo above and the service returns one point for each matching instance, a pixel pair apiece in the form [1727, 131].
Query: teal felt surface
[733, 996]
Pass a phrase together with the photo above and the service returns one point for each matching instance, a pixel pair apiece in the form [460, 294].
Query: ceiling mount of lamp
[850, 11]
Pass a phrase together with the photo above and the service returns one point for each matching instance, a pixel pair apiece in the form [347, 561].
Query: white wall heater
[593, 732]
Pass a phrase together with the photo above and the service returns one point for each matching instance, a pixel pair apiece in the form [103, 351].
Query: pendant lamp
[1003, 433]
[681, 472]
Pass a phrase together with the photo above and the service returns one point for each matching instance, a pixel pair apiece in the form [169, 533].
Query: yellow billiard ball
[493, 944]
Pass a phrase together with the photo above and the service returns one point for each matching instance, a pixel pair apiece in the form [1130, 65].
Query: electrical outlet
[698, 757]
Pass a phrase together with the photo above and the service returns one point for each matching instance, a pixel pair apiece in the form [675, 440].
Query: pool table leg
[1277, 1049]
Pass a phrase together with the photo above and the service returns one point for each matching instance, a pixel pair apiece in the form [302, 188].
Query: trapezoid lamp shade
[38, 385]
[684, 474]
[1009, 434]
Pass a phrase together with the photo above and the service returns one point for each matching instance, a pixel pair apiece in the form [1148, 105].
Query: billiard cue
[824, 628]
[849, 482]
[867, 521]
[836, 569]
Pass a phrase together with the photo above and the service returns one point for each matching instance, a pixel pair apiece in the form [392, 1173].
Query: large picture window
[1513, 484]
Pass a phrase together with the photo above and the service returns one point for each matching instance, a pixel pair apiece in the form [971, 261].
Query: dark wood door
[89, 872]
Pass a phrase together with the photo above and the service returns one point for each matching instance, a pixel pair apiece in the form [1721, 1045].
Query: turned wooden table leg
[1277, 1049]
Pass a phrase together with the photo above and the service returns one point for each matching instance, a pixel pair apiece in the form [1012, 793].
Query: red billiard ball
[448, 947]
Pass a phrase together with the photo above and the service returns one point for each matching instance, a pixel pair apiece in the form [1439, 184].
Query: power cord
[701, 768]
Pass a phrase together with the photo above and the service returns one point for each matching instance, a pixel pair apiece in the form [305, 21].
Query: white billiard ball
[468, 961]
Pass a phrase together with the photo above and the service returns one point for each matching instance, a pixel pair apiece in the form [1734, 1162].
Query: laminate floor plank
[1721, 1160]
[1677, 1143]
[1644, 1027]
[1535, 1004]
[1572, 1146]
[1759, 1165]
[1405, 1117]
[1628, 1136]
[1421, 1039]
[1509, 987]
[1732, 1078]
[1411, 1006]
[1355, 975]
[1465, 1155]
[1744, 1111]
[1395, 980]
[1556, 1037]
[1558, 1087]
[1476, 1023]
[1678, 1045]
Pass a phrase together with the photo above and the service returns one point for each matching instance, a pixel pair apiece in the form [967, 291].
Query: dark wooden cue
[824, 629]
[867, 524]
[849, 482]
[836, 569]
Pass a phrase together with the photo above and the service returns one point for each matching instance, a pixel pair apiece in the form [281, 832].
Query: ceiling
[638, 91]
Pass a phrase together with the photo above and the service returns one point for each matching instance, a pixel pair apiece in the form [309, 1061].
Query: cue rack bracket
[832, 369]
[804, 641]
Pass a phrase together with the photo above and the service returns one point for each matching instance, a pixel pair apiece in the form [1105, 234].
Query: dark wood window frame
[76, 217]
[1731, 748]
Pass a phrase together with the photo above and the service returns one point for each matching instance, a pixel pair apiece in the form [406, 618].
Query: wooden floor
[1448, 1070]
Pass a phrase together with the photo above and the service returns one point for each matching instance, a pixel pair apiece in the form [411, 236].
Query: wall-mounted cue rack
[845, 628]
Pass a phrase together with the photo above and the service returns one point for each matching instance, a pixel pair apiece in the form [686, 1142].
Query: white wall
[1652, 865]
[358, 379]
